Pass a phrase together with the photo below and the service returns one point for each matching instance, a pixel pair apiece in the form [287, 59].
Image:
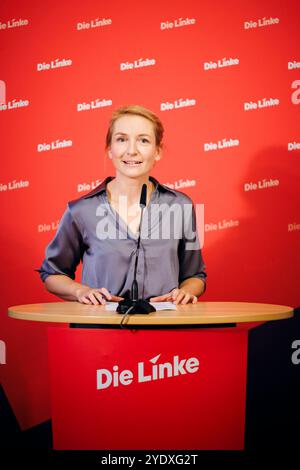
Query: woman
[101, 228]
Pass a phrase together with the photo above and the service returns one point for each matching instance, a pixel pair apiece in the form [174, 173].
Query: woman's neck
[129, 187]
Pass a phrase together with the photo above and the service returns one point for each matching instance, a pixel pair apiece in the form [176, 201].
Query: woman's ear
[158, 155]
[109, 153]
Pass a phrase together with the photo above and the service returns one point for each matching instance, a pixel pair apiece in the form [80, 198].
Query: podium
[170, 380]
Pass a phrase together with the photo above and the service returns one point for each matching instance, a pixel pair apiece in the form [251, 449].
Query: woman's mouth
[132, 163]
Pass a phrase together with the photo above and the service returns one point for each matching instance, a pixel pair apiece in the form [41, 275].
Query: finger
[100, 298]
[195, 300]
[84, 300]
[161, 298]
[179, 297]
[94, 299]
[186, 299]
[116, 298]
[106, 293]
[174, 293]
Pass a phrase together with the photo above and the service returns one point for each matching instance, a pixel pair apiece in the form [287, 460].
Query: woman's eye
[145, 141]
[120, 139]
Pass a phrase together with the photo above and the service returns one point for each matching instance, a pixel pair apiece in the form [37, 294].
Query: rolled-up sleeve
[191, 263]
[64, 252]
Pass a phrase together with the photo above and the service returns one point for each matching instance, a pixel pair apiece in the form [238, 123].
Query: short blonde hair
[136, 110]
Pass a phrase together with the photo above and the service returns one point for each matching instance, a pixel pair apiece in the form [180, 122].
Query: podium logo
[146, 372]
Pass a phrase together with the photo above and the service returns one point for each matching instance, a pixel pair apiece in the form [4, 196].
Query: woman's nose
[131, 149]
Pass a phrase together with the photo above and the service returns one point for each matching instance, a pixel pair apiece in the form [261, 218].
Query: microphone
[134, 304]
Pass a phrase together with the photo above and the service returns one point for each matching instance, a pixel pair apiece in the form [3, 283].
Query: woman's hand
[177, 296]
[88, 295]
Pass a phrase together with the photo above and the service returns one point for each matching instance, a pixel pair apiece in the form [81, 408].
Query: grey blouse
[91, 231]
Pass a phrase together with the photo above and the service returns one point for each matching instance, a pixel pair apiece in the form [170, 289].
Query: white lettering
[220, 144]
[293, 146]
[54, 64]
[293, 65]
[180, 103]
[261, 184]
[136, 64]
[94, 23]
[146, 372]
[94, 104]
[177, 23]
[261, 22]
[14, 104]
[13, 23]
[263, 103]
[221, 225]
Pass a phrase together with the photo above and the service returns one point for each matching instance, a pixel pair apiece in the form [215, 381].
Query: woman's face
[133, 148]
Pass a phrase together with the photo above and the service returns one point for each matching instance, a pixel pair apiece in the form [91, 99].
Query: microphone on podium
[134, 304]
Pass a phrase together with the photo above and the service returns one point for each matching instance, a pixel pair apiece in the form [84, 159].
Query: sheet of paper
[163, 305]
[112, 306]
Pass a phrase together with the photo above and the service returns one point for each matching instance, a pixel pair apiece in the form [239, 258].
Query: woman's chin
[133, 172]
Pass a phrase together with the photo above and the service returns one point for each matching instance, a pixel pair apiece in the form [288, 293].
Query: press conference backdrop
[224, 77]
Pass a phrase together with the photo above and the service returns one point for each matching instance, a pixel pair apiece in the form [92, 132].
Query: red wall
[257, 257]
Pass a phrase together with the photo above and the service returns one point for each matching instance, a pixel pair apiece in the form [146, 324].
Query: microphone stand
[135, 305]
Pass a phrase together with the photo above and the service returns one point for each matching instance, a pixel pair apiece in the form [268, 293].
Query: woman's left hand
[177, 296]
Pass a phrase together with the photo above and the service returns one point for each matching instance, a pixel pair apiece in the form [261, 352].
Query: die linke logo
[137, 64]
[261, 184]
[177, 104]
[179, 184]
[54, 145]
[221, 225]
[13, 23]
[177, 23]
[261, 22]
[12, 185]
[95, 23]
[221, 144]
[12, 104]
[53, 64]
[146, 372]
[220, 63]
[94, 104]
[260, 104]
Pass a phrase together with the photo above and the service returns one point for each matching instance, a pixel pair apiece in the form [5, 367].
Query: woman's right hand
[88, 295]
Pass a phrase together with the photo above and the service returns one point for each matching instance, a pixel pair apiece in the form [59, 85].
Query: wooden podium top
[190, 314]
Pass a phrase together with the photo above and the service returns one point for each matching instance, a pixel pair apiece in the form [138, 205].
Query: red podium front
[196, 400]
[169, 380]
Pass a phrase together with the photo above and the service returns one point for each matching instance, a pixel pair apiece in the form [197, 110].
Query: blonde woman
[101, 228]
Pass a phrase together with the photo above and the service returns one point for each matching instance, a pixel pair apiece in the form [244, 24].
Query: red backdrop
[236, 68]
